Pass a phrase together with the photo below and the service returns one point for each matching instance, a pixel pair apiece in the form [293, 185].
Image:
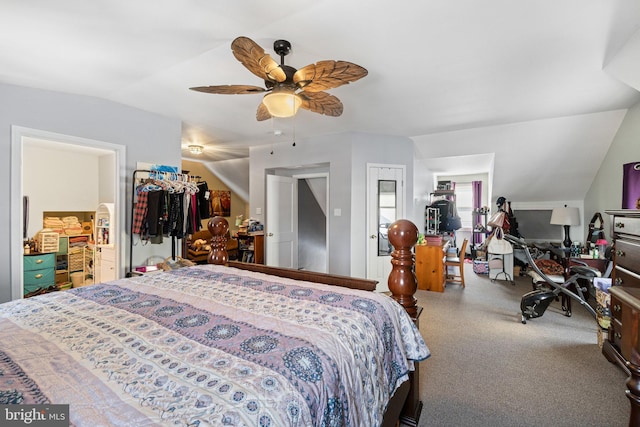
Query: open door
[281, 222]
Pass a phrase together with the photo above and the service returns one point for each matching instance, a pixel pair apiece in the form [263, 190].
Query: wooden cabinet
[251, 247]
[39, 271]
[625, 232]
[623, 343]
[430, 270]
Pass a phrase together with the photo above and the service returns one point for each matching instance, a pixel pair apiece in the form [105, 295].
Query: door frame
[18, 134]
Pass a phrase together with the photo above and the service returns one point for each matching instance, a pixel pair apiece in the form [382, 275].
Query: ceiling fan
[288, 89]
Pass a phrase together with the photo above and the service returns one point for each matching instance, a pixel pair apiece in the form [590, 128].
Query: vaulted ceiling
[459, 77]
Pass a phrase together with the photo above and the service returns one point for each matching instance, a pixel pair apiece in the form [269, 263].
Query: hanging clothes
[204, 207]
[154, 212]
[140, 214]
[176, 216]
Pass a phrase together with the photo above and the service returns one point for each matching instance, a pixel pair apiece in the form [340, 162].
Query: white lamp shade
[282, 103]
[565, 216]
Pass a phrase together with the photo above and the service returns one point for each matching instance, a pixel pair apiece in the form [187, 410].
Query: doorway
[313, 229]
[297, 227]
[111, 186]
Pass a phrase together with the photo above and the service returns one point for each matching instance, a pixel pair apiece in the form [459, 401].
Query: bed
[216, 345]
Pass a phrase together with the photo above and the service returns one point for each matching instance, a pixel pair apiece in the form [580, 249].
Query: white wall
[347, 155]
[575, 231]
[57, 180]
[606, 190]
[148, 137]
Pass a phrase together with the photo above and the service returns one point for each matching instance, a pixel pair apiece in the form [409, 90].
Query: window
[464, 203]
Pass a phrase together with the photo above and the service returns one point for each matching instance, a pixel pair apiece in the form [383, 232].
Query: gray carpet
[489, 369]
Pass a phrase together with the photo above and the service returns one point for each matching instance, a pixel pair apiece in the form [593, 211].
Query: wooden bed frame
[405, 406]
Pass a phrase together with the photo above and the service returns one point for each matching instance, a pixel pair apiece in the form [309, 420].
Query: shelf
[251, 247]
[103, 226]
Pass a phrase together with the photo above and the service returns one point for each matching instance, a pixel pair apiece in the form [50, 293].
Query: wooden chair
[457, 262]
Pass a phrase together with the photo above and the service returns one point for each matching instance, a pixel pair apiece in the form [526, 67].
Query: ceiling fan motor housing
[282, 48]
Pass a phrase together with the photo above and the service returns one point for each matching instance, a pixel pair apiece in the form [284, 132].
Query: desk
[430, 269]
[598, 263]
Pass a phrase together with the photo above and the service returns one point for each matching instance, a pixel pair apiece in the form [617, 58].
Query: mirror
[387, 214]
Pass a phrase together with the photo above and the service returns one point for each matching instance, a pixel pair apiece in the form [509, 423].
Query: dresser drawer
[627, 254]
[39, 261]
[626, 278]
[615, 334]
[45, 277]
[626, 225]
[616, 309]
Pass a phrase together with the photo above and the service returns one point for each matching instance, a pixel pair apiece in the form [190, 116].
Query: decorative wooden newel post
[218, 227]
[403, 235]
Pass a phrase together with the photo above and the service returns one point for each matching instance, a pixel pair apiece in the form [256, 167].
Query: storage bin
[77, 279]
[47, 242]
[480, 267]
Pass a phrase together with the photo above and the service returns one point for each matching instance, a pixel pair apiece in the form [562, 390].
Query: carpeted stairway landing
[489, 369]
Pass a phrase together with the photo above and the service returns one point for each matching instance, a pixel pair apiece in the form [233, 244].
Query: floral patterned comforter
[209, 346]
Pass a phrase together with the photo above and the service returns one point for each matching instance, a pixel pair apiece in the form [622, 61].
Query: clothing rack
[138, 177]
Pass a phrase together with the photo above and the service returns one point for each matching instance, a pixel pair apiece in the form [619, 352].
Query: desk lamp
[565, 217]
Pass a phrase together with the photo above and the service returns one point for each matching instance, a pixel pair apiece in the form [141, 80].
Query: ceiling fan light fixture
[195, 149]
[282, 103]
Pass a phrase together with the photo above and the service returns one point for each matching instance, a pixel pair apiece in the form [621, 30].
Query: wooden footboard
[308, 276]
[403, 235]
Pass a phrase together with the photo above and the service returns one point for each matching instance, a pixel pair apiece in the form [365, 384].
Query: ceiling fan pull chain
[294, 130]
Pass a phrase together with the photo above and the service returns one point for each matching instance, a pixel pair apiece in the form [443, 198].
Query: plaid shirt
[140, 215]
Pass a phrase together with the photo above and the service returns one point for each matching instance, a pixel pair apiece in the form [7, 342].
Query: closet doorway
[51, 157]
[296, 212]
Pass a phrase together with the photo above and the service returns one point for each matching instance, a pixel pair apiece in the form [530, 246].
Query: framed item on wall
[631, 186]
[221, 202]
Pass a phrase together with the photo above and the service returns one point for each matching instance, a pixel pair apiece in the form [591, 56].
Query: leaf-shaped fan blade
[327, 74]
[262, 113]
[229, 89]
[252, 56]
[321, 102]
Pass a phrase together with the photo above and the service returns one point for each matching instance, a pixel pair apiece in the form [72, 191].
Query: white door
[281, 222]
[385, 204]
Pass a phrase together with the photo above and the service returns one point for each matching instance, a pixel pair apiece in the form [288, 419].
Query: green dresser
[39, 271]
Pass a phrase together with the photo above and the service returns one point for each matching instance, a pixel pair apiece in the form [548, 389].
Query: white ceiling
[436, 68]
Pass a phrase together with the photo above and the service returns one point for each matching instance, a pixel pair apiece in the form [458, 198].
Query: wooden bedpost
[403, 235]
[218, 227]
